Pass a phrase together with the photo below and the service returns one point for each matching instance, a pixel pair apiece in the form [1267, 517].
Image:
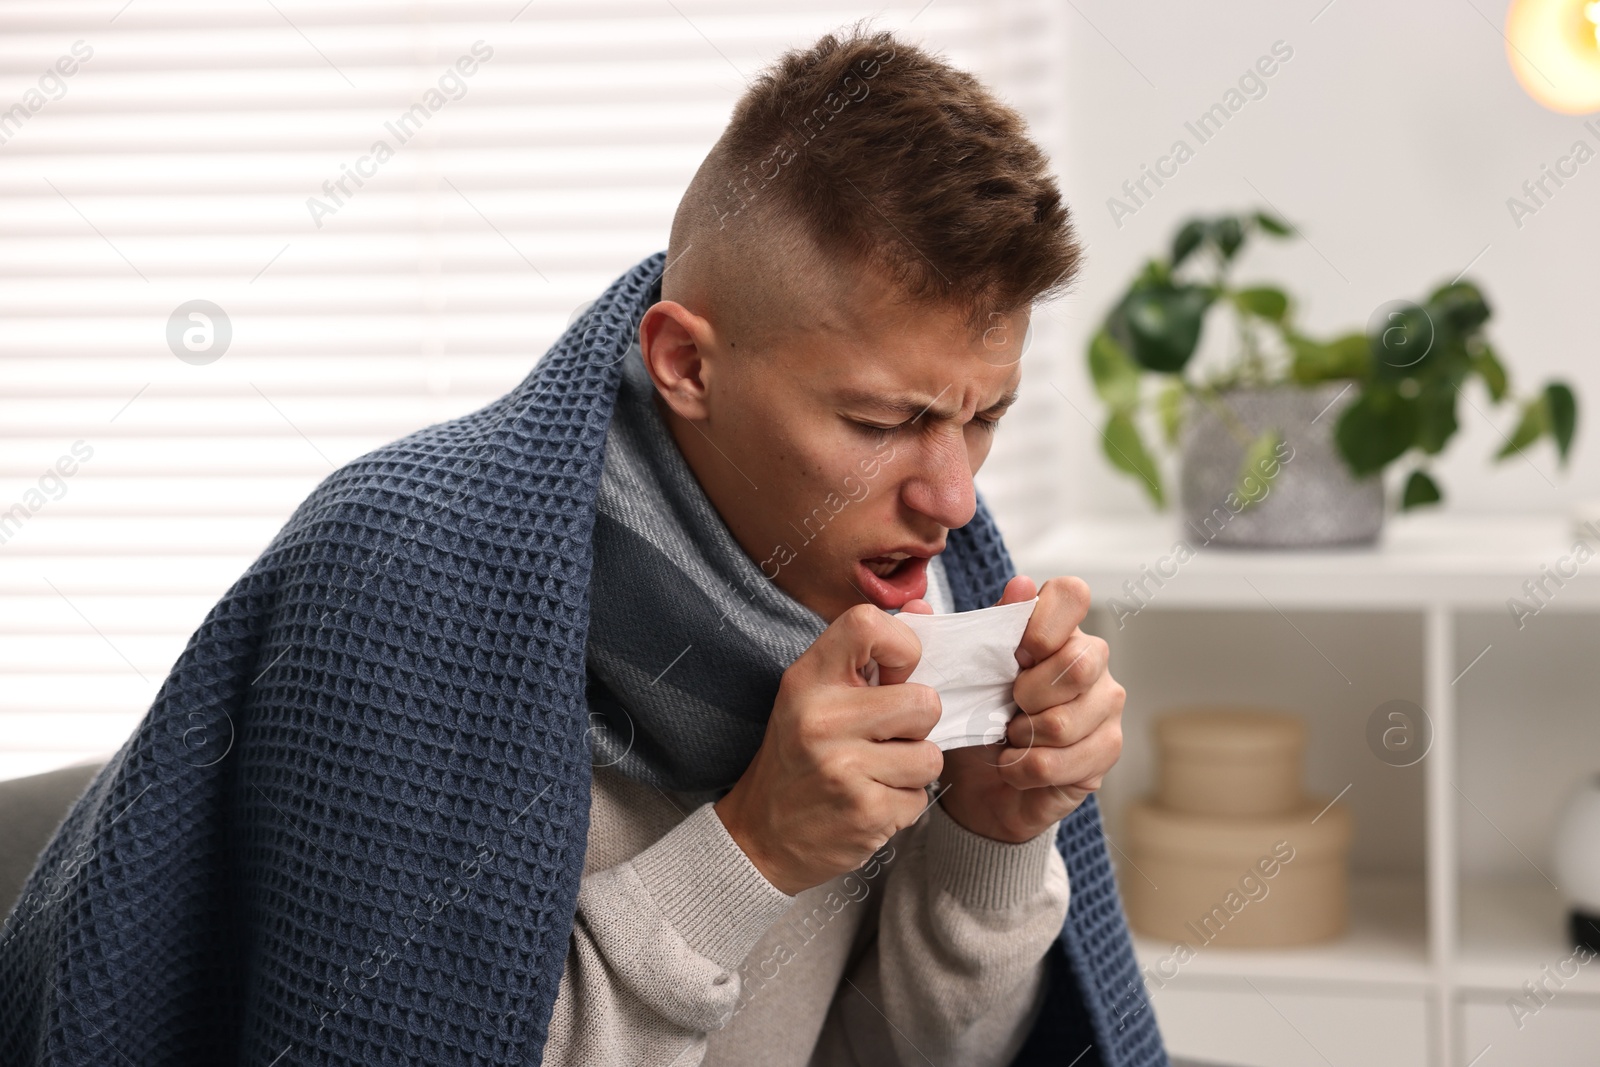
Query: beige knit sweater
[682, 953]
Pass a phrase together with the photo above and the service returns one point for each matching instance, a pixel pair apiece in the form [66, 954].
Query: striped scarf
[687, 638]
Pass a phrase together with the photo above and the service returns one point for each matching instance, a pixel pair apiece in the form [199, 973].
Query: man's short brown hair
[873, 153]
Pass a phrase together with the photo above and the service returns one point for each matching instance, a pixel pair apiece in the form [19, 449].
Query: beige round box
[1230, 761]
[1237, 882]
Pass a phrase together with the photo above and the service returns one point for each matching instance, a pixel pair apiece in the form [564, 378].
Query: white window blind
[154, 154]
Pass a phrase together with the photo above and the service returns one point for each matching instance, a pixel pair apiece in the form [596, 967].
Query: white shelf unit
[1432, 953]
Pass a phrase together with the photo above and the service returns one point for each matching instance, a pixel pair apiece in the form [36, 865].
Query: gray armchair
[30, 810]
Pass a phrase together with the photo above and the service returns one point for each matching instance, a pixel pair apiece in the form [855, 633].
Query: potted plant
[1286, 444]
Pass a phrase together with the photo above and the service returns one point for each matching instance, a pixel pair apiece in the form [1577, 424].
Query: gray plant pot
[1313, 501]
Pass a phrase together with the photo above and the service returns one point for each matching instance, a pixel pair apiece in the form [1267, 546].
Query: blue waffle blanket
[351, 827]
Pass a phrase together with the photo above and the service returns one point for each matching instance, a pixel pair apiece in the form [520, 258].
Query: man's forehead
[879, 352]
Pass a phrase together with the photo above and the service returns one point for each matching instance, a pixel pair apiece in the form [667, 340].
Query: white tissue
[970, 658]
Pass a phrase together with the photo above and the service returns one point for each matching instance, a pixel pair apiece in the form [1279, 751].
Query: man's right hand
[843, 764]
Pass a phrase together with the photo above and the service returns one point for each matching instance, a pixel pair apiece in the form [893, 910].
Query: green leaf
[1228, 235]
[1563, 410]
[1402, 344]
[1460, 306]
[1420, 490]
[1272, 224]
[1125, 449]
[1159, 324]
[1153, 273]
[1436, 416]
[1170, 406]
[1116, 376]
[1535, 420]
[1489, 368]
[1188, 239]
[1376, 429]
[1263, 300]
[1448, 364]
[1349, 356]
[1258, 459]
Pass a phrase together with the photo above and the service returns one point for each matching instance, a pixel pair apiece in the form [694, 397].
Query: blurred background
[216, 288]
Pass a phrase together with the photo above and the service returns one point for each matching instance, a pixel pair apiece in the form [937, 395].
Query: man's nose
[939, 484]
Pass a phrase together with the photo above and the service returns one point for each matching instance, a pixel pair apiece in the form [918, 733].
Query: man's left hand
[1067, 736]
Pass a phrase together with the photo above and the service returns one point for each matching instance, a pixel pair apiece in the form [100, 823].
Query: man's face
[841, 455]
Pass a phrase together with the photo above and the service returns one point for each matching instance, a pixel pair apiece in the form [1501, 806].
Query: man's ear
[675, 343]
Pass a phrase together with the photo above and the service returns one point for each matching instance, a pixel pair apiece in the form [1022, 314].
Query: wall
[1393, 137]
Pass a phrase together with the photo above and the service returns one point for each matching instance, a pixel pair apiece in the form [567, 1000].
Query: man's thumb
[1018, 589]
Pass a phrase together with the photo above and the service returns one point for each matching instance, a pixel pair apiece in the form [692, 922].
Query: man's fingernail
[1025, 658]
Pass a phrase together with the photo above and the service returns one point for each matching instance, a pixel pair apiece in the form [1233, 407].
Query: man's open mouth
[884, 566]
[891, 581]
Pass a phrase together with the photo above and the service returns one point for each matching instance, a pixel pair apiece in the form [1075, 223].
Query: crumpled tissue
[970, 658]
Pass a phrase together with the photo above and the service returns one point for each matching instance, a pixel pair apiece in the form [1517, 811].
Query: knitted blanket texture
[352, 825]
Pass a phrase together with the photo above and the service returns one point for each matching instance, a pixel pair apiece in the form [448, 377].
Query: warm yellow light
[1554, 49]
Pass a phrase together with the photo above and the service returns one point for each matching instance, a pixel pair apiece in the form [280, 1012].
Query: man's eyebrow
[912, 405]
[999, 406]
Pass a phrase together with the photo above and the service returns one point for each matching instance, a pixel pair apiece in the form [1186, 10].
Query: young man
[807, 405]
[577, 730]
